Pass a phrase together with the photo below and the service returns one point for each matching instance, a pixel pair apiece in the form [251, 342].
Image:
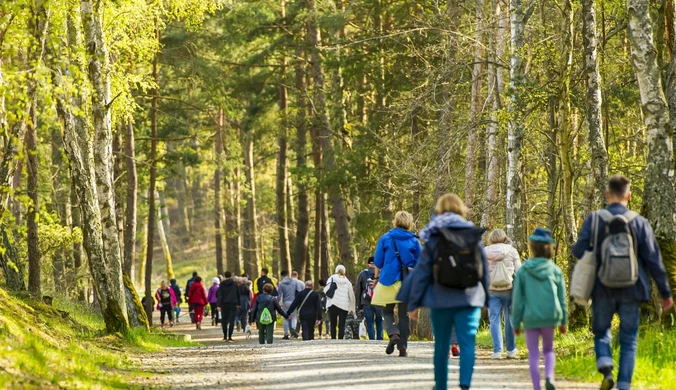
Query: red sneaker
[455, 351]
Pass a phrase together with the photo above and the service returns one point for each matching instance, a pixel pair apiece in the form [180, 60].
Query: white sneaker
[496, 355]
[512, 354]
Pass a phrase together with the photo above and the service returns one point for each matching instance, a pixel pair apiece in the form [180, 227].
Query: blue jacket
[649, 260]
[386, 259]
[420, 289]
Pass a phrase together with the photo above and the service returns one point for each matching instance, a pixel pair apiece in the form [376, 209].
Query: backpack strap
[631, 215]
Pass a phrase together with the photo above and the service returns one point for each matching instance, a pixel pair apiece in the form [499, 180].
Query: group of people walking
[454, 275]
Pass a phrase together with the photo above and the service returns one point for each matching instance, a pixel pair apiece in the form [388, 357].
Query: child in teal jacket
[539, 304]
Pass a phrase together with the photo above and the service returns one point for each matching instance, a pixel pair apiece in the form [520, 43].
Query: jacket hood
[401, 234]
[341, 281]
[286, 280]
[497, 252]
[539, 268]
[443, 221]
[228, 282]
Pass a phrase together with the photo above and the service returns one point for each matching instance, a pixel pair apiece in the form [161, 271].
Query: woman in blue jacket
[450, 308]
[396, 248]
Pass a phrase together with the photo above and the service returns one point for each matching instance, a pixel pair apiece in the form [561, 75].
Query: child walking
[264, 314]
[539, 305]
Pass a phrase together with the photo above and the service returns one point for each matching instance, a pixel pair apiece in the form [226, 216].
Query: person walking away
[264, 314]
[197, 296]
[309, 307]
[213, 300]
[166, 300]
[339, 301]
[503, 263]
[622, 281]
[177, 294]
[262, 281]
[294, 277]
[188, 284]
[454, 291]
[324, 323]
[288, 289]
[397, 251]
[245, 295]
[228, 302]
[364, 294]
[539, 305]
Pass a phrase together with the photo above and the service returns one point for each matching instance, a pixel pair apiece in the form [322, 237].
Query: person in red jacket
[197, 296]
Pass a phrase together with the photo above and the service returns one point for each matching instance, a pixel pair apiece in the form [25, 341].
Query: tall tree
[130, 204]
[301, 256]
[250, 242]
[218, 199]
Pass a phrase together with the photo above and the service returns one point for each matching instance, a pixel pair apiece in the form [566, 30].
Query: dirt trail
[244, 364]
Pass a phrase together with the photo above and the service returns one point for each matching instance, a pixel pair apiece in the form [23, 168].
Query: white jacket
[343, 297]
[502, 252]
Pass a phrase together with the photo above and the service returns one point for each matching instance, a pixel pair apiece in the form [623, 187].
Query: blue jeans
[602, 316]
[465, 321]
[501, 303]
[374, 314]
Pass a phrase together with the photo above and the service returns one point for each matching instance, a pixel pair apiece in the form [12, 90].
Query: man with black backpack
[364, 293]
[626, 252]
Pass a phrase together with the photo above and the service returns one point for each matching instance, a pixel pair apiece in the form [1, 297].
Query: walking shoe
[294, 334]
[455, 351]
[403, 353]
[230, 340]
[394, 340]
[512, 354]
[549, 385]
[286, 337]
[608, 383]
[496, 355]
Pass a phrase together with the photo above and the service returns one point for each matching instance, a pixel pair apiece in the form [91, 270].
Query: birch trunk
[218, 205]
[514, 215]
[472, 149]
[301, 256]
[163, 240]
[347, 257]
[658, 196]
[130, 206]
[99, 76]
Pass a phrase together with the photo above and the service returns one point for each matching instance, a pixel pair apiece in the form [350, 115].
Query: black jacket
[311, 310]
[228, 293]
[265, 300]
[244, 298]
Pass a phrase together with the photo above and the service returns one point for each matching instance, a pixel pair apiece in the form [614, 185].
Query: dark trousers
[401, 328]
[166, 310]
[308, 329]
[266, 333]
[214, 313]
[243, 312]
[228, 320]
[337, 316]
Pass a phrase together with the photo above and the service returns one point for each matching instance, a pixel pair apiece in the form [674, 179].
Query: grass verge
[65, 346]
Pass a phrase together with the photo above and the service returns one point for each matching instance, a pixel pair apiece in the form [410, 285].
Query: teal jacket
[539, 296]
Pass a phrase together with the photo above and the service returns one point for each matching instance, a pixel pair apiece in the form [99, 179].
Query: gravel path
[324, 364]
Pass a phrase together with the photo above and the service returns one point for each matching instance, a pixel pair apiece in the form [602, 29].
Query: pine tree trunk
[250, 242]
[472, 149]
[347, 257]
[130, 206]
[658, 196]
[233, 225]
[218, 198]
[301, 255]
[282, 190]
[599, 154]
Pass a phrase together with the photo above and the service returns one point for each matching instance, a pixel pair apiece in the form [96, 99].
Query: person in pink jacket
[166, 301]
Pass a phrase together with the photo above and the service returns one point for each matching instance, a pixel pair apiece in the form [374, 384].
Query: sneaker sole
[390, 346]
[607, 384]
[549, 386]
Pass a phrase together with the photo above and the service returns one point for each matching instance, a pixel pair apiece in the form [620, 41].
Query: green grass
[655, 362]
[65, 346]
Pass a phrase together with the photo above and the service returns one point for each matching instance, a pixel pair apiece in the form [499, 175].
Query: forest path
[326, 364]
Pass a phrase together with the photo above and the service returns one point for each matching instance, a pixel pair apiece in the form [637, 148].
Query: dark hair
[618, 185]
[268, 288]
[284, 273]
[194, 274]
[198, 279]
[541, 249]
[264, 271]
[228, 274]
[321, 282]
[245, 275]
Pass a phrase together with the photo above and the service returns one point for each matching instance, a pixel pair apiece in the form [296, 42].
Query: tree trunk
[282, 190]
[250, 242]
[233, 224]
[37, 24]
[60, 203]
[77, 247]
[514, 215]
[658, 196]
[130, 206]
[118, 184]
[301, 255]
[326, 269]
[347, 257]
[472, 150]
[163, 239]
[218, 205]
[599, 154]
[144, 251]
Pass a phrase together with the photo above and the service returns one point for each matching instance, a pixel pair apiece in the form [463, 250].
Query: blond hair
[498, 236]
[403, 220]
[451, 203]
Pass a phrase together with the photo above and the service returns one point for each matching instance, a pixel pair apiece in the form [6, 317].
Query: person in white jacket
[503, 262]
[340, 302]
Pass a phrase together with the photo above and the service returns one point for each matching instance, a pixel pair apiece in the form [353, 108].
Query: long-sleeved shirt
[649, 259]
[211, 297]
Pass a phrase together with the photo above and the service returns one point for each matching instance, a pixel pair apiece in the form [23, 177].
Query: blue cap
[542, 235]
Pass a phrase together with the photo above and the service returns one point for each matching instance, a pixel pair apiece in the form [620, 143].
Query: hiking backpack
[459, 263]
[619, 261]
[501, 277]
[368, 291]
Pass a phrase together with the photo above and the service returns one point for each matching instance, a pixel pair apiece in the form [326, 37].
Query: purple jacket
[212, 294]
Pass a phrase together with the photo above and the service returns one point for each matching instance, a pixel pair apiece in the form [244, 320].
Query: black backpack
[458, 263]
